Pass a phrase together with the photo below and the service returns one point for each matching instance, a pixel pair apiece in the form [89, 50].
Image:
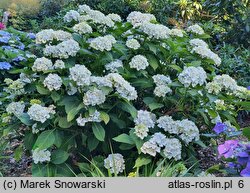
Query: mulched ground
[11, 168]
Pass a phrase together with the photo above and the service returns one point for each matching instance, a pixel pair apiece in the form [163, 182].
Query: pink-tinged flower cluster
[239, 151]
[2, 26]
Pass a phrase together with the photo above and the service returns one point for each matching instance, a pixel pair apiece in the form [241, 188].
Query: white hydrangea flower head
[84, 18]
[168, 124]
[53, 82]
[133, 44]
[71, 15]
[101, 81]
[156, 31]
[94, 97]
[222, 82]
[39, 113]
[137, 18]
[6, 119]
[150, 148]
[176, 32]
[99, 18]
[84, 9]
[16, 108]
[81, 121]
[61, 35]
[205, 52]
[139, 62]
[146, 118]
[213, 87]
[115, 17]
[113, 66]
[162, 90]
[80, 74]
[115, 163]
[141, 131]
[48, 35]
[45, 36]
[42, 64]
[83, 28]
[226, 82]
[220, 104]
[62, 50]
[192, 76]
[14, 88]
[162, 87]
[103, 43]
[27, 79]
[195, 29]
[198, 42]
[172, 148]
[40, 155]
[123, 88]
[94, 117]
[59, 64]
[188, 131]
[161, 79]
[242, 92]
[158, 139]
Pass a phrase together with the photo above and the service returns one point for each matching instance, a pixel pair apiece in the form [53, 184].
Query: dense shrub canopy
[110, 86]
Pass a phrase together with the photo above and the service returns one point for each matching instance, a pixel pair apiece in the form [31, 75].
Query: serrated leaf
[128, 107]
[154, 106]
[119, 122]
[98, 131]
[55, 96]
[73, 112]
[42, 90]
[58, 138]
[142, 161]
[175, 67]
[63, 123]
[200, 143]
[29, 140]
[92, 143]
[105, 117]
[212, 113]
[25, 119]
[59, 156]
[124, 138]
[45, 140]
[153, 62]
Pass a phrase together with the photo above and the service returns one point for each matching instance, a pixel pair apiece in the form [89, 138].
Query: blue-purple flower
[31, 36]
[5, 66]
[219, 128]
[4, 39]
[248, 88]
[21, 46]
[4, 33]
[228, 148]
[246, 172]
[19, 59]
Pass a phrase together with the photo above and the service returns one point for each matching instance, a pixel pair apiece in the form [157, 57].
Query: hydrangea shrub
[118, 94]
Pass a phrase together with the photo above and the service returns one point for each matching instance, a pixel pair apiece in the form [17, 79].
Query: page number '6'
[241, 184]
